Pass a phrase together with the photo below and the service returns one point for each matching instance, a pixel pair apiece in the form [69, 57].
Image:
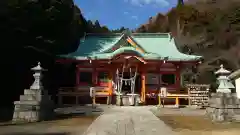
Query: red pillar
[178, 76]
[143, 87]
[94, 76]
[77, 72]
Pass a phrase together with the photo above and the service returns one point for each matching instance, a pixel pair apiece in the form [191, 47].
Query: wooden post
[110, 87]
[143, 90]
[178, 77]
[76, 100]
[77, 76]
[94, 83]
[177, 102]
[94, 76]
[59, 100]
[189, 98]
[93, 100]
[93, 96]
[159, 100]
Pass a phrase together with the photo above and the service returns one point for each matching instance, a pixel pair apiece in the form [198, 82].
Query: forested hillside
[210, 28]
[37, 30]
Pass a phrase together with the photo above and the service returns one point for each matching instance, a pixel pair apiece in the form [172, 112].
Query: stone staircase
[33, 106]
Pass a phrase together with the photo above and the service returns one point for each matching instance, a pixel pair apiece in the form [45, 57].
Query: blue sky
[127, 13]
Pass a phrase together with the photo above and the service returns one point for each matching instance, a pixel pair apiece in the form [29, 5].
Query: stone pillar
[35, 104]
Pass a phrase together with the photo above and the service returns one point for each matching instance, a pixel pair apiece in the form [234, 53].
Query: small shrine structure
[129, 64]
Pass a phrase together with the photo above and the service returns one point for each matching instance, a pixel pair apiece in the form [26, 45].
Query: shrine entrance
[127, 79]
[126, 87]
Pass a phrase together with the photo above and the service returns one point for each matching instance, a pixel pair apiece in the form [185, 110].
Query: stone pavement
[128, 120]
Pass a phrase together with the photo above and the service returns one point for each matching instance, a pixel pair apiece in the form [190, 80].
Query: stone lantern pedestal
[224, 106]
[35, 104]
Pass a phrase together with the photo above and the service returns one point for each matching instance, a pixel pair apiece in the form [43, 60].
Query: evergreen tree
[180, 3]
[97, 24]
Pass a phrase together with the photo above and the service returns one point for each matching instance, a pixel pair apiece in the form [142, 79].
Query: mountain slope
[211, 29]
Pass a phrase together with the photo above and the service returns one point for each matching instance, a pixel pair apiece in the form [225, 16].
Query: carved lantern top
[222, 70]
[224, 83]
[38, 68]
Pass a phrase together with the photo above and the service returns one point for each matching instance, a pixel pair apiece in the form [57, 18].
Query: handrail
[84, 89]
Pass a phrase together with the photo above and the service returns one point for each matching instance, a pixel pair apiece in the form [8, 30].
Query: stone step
[29, 116]
[28, 97]
[31, 92]
[30, 102]
[34, 97]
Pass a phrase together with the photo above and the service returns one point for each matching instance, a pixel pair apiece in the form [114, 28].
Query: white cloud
[134, 17]
[125, 13]
[147, 2]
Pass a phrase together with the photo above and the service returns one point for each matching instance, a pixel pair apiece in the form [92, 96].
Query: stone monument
[223, 105]
[35, 104]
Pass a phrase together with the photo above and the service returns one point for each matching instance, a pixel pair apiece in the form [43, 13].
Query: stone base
[127, 100]
[223, 107]
[33, 106]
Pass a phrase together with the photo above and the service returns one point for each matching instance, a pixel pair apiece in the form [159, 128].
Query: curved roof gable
[147, 45]
[162, 45]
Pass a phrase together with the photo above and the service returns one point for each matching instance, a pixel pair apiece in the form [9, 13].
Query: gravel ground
[189, 121]
[70, 121]
[58, 127]
[178, 111]
[114, 121]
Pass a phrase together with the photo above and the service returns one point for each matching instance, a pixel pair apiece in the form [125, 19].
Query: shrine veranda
[127, 64]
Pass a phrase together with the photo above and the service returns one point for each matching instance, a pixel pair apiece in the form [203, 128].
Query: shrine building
[128, 63]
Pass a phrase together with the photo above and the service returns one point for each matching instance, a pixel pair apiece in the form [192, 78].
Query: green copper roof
[156, 46]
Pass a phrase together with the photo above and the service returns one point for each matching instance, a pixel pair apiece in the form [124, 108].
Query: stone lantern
[223, 105]
[225, 85]
[37, 84]
[35, 104]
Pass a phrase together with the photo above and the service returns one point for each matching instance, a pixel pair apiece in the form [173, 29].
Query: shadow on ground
[23, 133]
[6, 114]
[64, 113]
